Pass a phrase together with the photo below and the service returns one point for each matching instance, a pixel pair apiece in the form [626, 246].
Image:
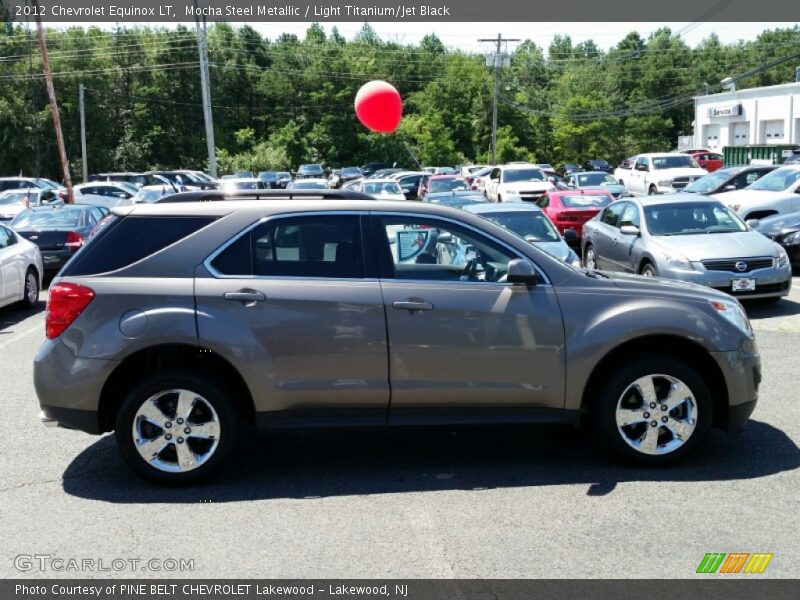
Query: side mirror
[446, 237]
[629, 230]
[729, 188]
[521, 272]
[571, 237]
[753, 223]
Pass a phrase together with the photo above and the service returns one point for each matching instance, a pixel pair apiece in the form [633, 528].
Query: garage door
[741, 134]
[773, 131]
[711, 136]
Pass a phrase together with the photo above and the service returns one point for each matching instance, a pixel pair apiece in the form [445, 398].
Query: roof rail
[215, 195]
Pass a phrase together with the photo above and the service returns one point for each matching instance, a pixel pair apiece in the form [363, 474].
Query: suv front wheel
[653, 410]
[176, 427]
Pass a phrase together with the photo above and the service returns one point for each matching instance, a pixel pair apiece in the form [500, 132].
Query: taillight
[66, 302]
[74, 240]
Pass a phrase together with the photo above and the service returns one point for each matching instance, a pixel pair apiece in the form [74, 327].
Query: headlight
[677, 261]
[734, 313]
[783, 258]
[792, 238]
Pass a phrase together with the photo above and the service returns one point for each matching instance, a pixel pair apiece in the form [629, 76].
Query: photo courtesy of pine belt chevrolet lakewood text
[181, 323]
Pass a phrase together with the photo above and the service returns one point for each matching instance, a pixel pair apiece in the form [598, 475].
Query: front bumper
[69, 387]
[770, 282]
[741, 370]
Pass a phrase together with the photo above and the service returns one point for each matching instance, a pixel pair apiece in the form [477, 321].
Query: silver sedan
[697, 239]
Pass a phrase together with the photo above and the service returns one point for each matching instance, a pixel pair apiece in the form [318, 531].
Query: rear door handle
[413, 305]
[249, 297]
[614, 241]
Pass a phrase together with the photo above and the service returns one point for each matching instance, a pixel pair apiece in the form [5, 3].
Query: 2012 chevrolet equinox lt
[177, 323]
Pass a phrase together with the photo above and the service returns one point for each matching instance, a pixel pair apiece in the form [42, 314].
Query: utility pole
[51, 92]
[498, 59]
[202, 48]
[83, 132]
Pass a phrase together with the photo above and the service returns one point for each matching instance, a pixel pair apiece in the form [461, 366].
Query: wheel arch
[686, 350]
[171, 356]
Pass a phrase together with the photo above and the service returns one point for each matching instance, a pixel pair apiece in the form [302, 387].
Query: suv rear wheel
[653, 410]
[176, 427]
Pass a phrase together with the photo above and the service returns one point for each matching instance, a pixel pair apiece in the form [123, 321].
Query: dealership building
[754, 116]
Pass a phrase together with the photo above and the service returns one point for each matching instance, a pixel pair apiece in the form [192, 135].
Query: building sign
[725, 110]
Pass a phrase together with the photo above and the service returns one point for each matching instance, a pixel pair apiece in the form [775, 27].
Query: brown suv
[179, 322]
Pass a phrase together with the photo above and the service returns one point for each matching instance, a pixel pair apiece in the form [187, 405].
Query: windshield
[268, 175]
[708, 182]
[49, 219]
[18, 197]
[677, 161]
[446, 185]
[777, 181]
[530, 225]
[691, 218]
[351, 172]
[386, 187]
[594, 179]
[310, 185]
[284, 175]
[514, 175]
[585, 200]
[309, 169]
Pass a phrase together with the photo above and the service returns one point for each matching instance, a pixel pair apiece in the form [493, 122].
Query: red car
[570, 209]
[710, 161]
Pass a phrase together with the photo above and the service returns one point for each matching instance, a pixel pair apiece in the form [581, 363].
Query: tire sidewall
[604, 409]
[651, 268]
[25, 302]
[589, 249]
[202, 385]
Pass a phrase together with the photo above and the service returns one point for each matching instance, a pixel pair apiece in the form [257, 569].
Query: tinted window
[67, 218]
[314, 246]
[130, 239]
[612, 213]
[532, 226]
[585, 200]
[630, 216]
[6, 237]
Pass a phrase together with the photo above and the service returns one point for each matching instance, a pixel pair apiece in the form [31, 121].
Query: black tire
[589, 251]
[210, 390]
[30, 298]
[499, 198]
[648, 270]
[605, 407]
[652, 191]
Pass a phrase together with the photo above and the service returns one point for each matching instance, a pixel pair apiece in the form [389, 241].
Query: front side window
[6, 238]
[778, 180]
[312, 246]
[418, 248]
[676, 161]
[630, 216]
[612, 214]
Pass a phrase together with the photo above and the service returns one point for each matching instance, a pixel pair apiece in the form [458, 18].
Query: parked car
[659, 173]
[308, 184]
[784, 230]
[694, 239]
[570, 209]
[383, 189]
[352, 185]
[108, 193]
[21, 270]
[269, 179]
[466, 171]
[596, 180]
[232, 186]
[568, 168]
[13, 202]
[31, 183]
[184, 180]
[793, 158]
[136, 179]
[477, 180]
[310, 171]
[384, 173]
[284, 179]
[369, 168]
[517, 182]
[597, 164]
[152, 193]
[346, 174]
[410, 182]
[284, 323]
[775, 193]
[728, 179]
[59, 231]
[531, 224]
[557, 180]
[435, 184]
[456, 199]
[710, 161]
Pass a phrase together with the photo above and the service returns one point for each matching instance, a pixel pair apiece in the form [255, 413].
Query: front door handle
[614, 241]
[413, 305]
[249, 297]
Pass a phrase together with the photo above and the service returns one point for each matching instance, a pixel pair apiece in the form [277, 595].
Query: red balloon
[379, 106]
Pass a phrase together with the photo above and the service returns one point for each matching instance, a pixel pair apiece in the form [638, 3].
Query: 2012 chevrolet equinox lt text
[180, 322]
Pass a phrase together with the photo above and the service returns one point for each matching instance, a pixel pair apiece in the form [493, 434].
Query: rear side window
[313, 246]
[130, 239]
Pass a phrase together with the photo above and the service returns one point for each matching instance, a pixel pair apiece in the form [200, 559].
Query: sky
[463, 36]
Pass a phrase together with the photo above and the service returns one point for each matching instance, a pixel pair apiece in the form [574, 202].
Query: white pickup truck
[650, 174]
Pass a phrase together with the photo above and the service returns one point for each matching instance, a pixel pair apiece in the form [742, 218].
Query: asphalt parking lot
[526, 502]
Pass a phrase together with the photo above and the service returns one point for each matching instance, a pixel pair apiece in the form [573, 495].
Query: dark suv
[180, 322]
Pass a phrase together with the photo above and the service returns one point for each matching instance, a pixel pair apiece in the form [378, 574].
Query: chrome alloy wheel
[31, 288]
[591, 263]
[176, 430]
[656, 414]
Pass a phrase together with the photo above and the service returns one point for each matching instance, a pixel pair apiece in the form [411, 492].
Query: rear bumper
[53, 260]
